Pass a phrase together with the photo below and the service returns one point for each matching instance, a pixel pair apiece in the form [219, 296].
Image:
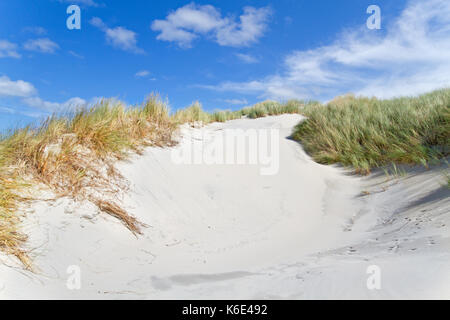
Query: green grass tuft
[367, 133]
[65, 152]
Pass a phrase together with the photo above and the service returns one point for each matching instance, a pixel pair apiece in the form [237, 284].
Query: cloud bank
[191, 21]
[8, 49]
[43, 45]
[118, 37]
[409, 57]
[19, 88]
[28, 95]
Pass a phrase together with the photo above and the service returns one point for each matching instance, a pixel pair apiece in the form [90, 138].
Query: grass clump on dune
[192, 115]
[73, 156]
[195, 114]
[223, 116]
[368, 133]
[11, 239]
[272, 108]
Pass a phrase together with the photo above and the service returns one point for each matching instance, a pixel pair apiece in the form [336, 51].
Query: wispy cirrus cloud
[35, 30]
[191, 21]
[71, 104]
[247, 58]
[76, 55]
[118, 37]
[8, 49]
[19, 88]
[142, 74]
[411, 57]
[236, 101]
[44, 45]
[26, 94]
[31, 114]
[6, 110]
[87, 3]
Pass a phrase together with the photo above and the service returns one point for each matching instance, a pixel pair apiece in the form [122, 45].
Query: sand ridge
[226, 231]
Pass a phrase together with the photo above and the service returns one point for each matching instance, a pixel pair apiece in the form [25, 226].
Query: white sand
[225, 231]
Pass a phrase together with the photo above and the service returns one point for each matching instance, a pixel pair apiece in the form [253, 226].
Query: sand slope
[226, 231]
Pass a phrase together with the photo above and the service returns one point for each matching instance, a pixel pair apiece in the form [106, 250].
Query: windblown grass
[192, 115]
[272, 108]
[74, 155]
[366, 133]
[11, 240]
[196, 115]
[223, 116]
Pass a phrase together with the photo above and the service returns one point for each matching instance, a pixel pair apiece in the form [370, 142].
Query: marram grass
[74, 154]
[368, 133]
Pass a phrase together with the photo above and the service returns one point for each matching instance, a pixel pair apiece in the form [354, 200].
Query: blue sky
[226, 54]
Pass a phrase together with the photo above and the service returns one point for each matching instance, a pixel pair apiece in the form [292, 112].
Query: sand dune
[227, 231]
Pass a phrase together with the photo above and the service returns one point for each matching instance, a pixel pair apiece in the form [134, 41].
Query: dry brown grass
[115, 210]
[11, 240]
[74, 156]
[192, 114]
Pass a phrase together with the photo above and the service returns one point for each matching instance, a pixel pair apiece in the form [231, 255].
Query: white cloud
[97, 22]
[122, 38]
[182, 25]
[17, 88]
[411, 57]
[36, 30]
[118, 37]
[251, 27]
[189, 22]
[28, 95]
[8, 49]
[236, 101]
[25, 113]
[32, 114]
[88, 3]
[76, 55]
[6, 110]
[142, 73]
[247, 58]
[69, 105]
[44, 45]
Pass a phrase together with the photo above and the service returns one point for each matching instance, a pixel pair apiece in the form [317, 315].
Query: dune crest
[227, 231]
